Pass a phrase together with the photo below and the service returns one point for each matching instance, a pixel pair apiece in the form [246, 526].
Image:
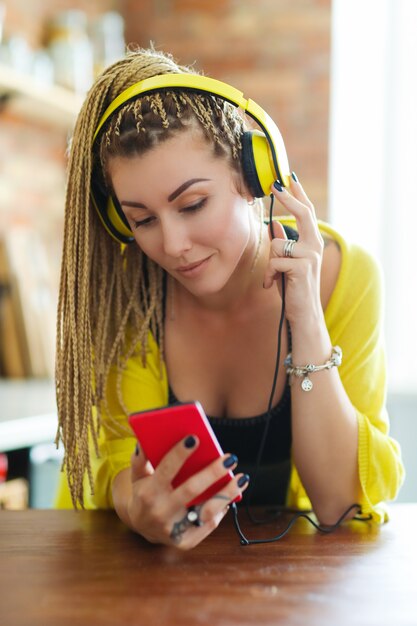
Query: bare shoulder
[332, 259]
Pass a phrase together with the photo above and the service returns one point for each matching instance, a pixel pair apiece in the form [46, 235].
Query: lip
[193, 268]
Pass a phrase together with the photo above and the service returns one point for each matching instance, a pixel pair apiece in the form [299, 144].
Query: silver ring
[193, 516]
[288, 247]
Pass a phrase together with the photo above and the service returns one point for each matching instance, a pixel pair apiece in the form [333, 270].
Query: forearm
[324, 427]
[121, 492]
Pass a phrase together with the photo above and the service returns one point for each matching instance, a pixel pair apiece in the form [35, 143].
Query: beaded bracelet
[303, 371]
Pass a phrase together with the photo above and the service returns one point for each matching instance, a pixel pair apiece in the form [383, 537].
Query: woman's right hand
[158, 512]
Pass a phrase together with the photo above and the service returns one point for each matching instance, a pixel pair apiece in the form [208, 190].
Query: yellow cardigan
[353, 318]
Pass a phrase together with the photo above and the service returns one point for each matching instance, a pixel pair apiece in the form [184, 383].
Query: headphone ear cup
[249, 167]
[112, 216]
[118, 221]
[257, 163]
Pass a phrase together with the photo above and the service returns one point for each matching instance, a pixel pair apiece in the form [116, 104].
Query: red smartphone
[158, 430]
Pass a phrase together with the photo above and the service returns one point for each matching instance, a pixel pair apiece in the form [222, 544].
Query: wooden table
[60, 568]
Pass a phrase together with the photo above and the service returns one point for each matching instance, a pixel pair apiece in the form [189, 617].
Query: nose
[175, 238]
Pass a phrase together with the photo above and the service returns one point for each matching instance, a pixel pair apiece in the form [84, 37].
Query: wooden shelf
[23, 96]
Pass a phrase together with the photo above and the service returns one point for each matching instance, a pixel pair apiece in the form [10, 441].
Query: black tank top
[243, 436]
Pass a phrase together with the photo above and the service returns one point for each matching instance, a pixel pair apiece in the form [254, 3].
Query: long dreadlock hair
[110, 295]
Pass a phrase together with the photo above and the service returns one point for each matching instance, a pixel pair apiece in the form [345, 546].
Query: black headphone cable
[297, 514]
[274, 381]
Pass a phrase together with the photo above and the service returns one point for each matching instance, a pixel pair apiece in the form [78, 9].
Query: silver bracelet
[303, 371]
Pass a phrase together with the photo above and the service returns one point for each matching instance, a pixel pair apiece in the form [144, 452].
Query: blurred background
[339, 78]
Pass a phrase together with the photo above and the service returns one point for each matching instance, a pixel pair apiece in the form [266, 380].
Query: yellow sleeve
[142, 388]
[354, 321]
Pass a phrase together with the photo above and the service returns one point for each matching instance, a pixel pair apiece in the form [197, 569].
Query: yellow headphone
[264, 158]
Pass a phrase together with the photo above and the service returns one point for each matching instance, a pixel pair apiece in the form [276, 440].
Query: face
[185, 211]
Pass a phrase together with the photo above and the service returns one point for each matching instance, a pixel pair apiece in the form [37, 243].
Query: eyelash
[148, 221]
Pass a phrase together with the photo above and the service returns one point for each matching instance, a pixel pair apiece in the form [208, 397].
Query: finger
[306, 221]
[221, 501]
[202, 480]
[172, 462]
[140, 466]
[280, 262]
[277, 229]
[277, 266]
[186, 536]
[298, 191]
[210, 513]
[298, 250]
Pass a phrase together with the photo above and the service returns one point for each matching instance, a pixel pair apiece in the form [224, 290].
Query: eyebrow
[185, 186]
[172, 196]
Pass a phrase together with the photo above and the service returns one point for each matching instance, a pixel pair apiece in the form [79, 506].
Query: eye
[146, 222]
[195, 207]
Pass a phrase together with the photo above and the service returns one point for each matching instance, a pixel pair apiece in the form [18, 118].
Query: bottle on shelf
[71, 50]
[107, 36]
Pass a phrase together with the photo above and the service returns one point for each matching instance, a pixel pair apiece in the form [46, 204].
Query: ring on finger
[288, 247]
[193, 516]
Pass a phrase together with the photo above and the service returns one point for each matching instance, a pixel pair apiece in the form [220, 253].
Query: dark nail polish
[243, 480]
[137, 450]
[294, 177]
[230, 460]
[278, 186]
[190, 442]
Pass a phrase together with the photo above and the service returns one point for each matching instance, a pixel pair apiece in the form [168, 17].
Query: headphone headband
[263, 153]
[195, 82]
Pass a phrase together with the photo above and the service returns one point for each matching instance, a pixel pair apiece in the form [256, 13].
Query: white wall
[372, 172]
[403, 411]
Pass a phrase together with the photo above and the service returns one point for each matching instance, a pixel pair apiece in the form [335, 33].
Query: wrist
[307, 320]
[310, 342]
[122, 496]
[304, 371]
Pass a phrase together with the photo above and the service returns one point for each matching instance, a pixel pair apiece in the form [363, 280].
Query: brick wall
[30, 17]
[276, 51]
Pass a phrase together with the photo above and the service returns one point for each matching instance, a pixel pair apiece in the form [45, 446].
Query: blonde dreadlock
[103, 297]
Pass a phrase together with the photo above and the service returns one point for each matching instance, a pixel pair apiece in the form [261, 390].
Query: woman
[190, 311]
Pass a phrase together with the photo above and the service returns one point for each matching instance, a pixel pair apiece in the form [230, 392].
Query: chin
[204, 290]
[206, 287]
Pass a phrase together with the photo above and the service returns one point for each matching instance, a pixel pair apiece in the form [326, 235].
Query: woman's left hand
[302, 268]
